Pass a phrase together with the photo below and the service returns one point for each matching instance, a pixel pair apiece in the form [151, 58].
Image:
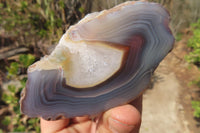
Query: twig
[13, 52]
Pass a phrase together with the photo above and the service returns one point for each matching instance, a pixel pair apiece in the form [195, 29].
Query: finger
[84, 127]
[53, 126]
[80, 119]
[122, 119]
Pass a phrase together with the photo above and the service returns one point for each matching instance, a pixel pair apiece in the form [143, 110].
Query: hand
[122, 119]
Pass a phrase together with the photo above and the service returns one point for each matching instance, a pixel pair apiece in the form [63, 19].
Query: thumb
[122, 119]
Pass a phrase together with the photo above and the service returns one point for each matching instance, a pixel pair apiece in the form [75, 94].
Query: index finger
[53, 126]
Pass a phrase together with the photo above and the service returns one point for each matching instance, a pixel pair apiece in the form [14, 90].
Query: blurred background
[29, 29]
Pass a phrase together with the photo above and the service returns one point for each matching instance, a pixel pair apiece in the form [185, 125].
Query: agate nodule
[103, 61]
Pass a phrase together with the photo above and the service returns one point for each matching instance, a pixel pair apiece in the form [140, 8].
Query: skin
[121, 119]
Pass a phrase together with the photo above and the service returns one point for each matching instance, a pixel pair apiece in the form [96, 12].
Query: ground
[167, 104]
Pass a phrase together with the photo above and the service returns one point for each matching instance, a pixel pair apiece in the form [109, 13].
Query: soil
[167, 105]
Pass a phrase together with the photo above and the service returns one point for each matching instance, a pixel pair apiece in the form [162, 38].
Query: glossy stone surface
[103, 61]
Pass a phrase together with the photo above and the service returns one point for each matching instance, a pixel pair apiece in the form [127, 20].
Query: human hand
[121, 119]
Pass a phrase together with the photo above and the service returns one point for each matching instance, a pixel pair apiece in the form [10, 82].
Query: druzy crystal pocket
[103, 61]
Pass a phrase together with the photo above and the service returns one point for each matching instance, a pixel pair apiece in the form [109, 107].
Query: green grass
[194, 44]
[196, 107]
[194, 58]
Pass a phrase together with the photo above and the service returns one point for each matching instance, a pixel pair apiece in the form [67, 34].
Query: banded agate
[103, 61]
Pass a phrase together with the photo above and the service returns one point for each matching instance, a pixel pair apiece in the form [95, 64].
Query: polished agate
[103, 61]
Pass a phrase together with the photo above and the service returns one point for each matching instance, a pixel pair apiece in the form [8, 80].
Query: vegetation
[11, 97]
[194, 44]
[37, 23]
[194, 57]
[196, 107]
[28, 18]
